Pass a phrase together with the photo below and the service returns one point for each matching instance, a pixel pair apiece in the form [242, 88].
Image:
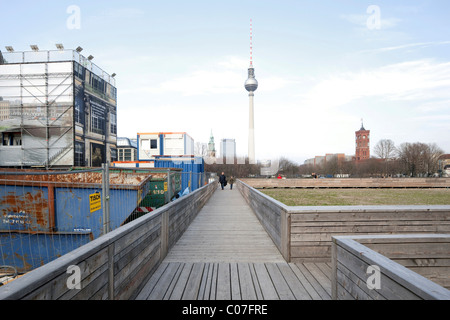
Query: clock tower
[362, 144]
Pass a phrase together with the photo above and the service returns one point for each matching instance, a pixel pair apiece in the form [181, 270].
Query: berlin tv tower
[251, 85]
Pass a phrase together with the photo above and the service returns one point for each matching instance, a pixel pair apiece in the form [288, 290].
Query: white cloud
[407, 46]
[413, 80]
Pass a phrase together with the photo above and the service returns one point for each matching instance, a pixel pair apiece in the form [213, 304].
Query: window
[154, 144]
[12, 139]
[97, 124]
[113, 121]
[79, 154]
[78, 70]
[127, 155]
[113, 154]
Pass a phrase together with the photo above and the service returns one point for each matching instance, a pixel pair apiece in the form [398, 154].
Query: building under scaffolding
[57, 109]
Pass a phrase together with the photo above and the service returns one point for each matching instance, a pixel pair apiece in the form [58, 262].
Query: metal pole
[105, 197]
[169, 185]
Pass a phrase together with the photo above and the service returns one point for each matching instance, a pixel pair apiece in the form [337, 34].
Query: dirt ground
[354, 197]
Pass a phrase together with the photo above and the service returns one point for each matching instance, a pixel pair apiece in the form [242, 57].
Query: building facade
[362, 144]
[126, 149]
[58, 109]
[228, 149]
[151, 145]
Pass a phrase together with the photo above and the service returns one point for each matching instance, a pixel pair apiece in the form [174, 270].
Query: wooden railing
[303, 234]
[393, 267]
[116, 265]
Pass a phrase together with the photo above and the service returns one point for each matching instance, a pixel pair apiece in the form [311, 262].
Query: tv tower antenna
[251, 43]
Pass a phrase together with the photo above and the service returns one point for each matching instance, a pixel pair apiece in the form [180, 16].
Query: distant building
[127, 149]
[322, 160]
[151, 145]
[444, 165]
[228, 149]
[211, 147]
[57, 109]
[362, 144]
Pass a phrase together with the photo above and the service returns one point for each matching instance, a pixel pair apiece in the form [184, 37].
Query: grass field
[356, 197]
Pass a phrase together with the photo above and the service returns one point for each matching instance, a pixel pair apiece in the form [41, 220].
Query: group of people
[223, 181]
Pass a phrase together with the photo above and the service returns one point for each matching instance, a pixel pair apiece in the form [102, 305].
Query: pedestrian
[231, 182]
[223, 180]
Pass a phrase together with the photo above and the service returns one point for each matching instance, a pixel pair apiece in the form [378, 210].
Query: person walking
[231, 182]
[223, 180]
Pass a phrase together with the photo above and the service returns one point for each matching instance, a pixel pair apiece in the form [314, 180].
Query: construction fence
[46, 214]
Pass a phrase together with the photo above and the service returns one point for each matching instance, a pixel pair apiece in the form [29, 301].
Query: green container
[159, 194]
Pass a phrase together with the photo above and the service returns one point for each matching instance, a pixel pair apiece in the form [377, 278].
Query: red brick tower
[362, 144]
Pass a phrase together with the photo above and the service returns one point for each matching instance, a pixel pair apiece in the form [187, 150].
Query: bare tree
[385, 149]
[200, 149]
[288, 167]
[419, 158]
[431, 159]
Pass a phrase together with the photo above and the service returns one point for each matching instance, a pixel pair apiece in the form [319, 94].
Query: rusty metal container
[46, 216]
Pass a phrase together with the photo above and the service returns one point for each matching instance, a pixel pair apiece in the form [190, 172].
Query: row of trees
[408, 159]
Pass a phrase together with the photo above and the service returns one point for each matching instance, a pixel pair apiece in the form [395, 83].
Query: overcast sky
[322, 66]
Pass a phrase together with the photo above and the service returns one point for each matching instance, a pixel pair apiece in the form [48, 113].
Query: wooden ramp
[226, 254]
[225, 230]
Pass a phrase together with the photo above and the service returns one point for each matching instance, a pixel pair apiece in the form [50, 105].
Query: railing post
[169, 186]
[105, 197]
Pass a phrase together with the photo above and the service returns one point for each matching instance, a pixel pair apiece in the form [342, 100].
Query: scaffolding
[37, 107]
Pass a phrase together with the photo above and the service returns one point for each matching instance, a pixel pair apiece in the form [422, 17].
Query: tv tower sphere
[251, 84]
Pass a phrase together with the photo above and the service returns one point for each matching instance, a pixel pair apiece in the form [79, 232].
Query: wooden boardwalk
[226, 254]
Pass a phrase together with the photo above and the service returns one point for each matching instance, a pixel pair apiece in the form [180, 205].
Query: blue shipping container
[189, 164]
[45, 219]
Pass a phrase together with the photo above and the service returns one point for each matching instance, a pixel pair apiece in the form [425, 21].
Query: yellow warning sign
[95, 202]
[165, 186]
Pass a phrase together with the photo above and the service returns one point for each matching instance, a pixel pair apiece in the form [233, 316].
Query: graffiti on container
[28, 211]
[17, 218]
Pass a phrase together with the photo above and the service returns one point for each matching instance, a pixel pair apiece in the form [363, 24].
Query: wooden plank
[193, 284]
[283, 290]
[380, 214]
[258, 291]
[304, 281]
[324, 295]
[178, 290]
[162, 282]
[223, 290]
[147, 289]
[350, 290]
[235, 285]
[205, 286]
[265, 282]
[248, 291]
[213, 291]
[297, 288]
[320, 276]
